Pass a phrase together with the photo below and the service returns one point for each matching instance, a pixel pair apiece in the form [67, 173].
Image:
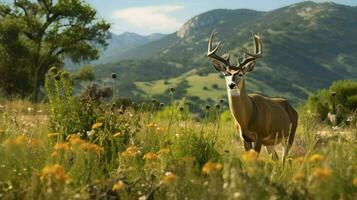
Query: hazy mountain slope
[120, 44]
[306, 47]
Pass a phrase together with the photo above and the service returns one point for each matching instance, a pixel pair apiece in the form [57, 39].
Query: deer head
[234, 73]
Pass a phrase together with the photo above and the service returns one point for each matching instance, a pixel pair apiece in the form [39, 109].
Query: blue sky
[163, 16]
[166, 16]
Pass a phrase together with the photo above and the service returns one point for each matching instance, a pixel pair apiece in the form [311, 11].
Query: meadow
[81, 148]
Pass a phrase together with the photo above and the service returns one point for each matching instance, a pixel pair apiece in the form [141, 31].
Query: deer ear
[249, 66]
[218, 66]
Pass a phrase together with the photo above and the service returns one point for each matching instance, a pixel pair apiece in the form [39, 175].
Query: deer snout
[231, 85]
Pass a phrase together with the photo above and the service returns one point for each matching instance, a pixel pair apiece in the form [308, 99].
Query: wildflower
[87, 146]
[150, 156]
[164, 151]
[250, 156]
[130, 152]
[322, 173]
[29, 109]
[169, 178]
[56, 172]
[316, 157]
[172, 90]
[52, 134]
[19, 140]
[90, 133]
[355, 181]
[62, 146]
[118, 186]
[97, 125]
[298, 176]
[207, 107]
[211, 167]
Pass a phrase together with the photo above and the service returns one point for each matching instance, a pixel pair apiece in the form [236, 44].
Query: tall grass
[163, 153]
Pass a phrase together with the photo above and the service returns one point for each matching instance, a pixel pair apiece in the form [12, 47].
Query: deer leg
[248, 145]
[290, 140]
[258, 144]
[271, 151]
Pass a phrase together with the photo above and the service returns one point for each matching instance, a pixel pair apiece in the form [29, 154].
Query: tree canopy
[36, 35]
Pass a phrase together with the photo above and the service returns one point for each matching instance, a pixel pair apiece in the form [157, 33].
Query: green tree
[340, 98]
[50, 31]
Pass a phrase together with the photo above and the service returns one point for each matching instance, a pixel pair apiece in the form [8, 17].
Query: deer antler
[258, 52]
[212, 52]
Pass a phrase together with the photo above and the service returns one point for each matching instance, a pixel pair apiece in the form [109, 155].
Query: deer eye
[227, 74]
[240, 74]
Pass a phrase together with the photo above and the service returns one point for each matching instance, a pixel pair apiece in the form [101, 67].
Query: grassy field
[161, 153]
[210, 86]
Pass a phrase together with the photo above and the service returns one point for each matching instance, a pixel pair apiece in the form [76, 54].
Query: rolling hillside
[306, 47]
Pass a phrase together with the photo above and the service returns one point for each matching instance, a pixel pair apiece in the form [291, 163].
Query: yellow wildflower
[169, 178]
[130, 152]
[164, 151]
[55, 172]
[298, 176]
[150, 156]
[87, 146]
[211, 167]
[322, 173]
[355, 181]
[250, 156]
[19, 140]
[316, 157]
[97, 125]
[118, 186]
[62, 146]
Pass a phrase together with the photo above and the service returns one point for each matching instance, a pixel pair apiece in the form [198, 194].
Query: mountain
[306, 47]
[119, 45]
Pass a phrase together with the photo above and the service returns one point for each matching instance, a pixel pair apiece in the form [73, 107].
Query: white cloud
[147, 19]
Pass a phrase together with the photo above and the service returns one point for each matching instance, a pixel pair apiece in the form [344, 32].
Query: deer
[260, 121]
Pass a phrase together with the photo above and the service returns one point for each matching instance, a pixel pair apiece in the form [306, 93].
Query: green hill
[306, 47]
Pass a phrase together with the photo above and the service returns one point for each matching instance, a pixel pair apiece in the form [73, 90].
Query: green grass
[211, 86]
[142, 158]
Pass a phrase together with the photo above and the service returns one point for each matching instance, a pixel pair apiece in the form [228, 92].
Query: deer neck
[240, 104]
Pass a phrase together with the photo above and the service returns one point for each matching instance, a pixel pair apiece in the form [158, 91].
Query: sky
[166, 16]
